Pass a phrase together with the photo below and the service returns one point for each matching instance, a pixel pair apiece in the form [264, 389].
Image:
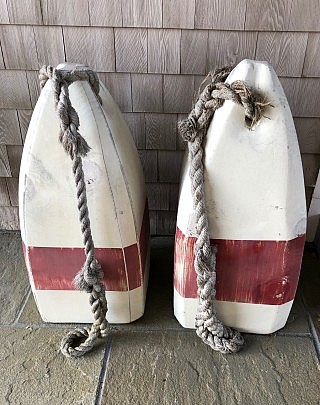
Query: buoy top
[68, 66]
[251, 173]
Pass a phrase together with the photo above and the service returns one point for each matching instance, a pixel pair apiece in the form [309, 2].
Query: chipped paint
[54, 268]
[259, 272]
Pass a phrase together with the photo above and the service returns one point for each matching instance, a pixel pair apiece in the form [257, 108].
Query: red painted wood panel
[136, 255]
[259, 272]
[54, 268]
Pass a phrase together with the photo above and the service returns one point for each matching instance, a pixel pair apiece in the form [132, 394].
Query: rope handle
[89, 278]
[193, 130]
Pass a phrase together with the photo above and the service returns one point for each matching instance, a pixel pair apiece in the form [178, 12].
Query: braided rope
[194, 129]
[89, 278]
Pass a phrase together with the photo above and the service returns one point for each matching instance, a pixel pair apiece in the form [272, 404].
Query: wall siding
[152, 57]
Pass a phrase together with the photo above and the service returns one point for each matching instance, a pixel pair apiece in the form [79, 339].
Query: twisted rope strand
[194, 129]
[89, 278]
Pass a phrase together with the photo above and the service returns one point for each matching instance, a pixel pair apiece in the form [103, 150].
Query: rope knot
[69, 74]
[188, 129]
[213, 96]
[253, 102]
[90, 275]
[73, 142]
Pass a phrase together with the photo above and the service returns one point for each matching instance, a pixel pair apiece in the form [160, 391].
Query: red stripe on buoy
[54, 268]
[258, 272]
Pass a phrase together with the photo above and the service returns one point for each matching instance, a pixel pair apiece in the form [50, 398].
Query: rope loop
[193, 130]
[70, 74]
[213, 96]
[90, 277]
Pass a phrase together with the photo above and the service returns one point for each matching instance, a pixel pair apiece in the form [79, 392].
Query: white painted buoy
[256, 209]
[118, 210]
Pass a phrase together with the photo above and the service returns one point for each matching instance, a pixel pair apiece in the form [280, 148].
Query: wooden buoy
[50, 229]
[255, 201]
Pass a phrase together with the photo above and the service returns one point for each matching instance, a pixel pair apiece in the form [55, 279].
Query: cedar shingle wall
[152, 55]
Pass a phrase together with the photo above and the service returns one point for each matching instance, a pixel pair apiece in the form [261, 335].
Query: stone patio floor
[154, 360]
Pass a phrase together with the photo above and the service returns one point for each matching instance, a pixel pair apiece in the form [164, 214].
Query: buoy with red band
[49, 221]
[255, 202]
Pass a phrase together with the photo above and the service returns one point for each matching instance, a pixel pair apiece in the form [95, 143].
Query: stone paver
[177, 368]
[153, 360]
[14, 282]
[34, 372]
[30, 314]
[310, 284]
[159, 304]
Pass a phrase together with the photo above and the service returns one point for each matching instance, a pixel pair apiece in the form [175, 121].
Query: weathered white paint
[254, 189]
[250, 175]
[60, 306]
[250, 318]
[113, 174]
[115, 191]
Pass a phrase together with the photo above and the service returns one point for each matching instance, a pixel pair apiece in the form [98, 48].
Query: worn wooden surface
[178, 93]
[12, 185]
[147, 93]
[267, 15]
[141, 13]
[9, 128]
[230, 47]
[72, 12]
[5, 170]
[28, 13]
[160, 131]
[216, 14]
[91, 46]
[169, 163]
[304, 16]
[283, 51]
[311, 64]
[105, 13]
[152, 56]
[158, 196]
[178, 14]
[24, 56]
[194, 52]
[49, 45]
[33, 85]
[136, 124]
[131, 50]
[119, 86]
[164, 51]
[4, 15]
[4, 193]
[14, 90]
[14, 155]
[24, 120]
[149, 164]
